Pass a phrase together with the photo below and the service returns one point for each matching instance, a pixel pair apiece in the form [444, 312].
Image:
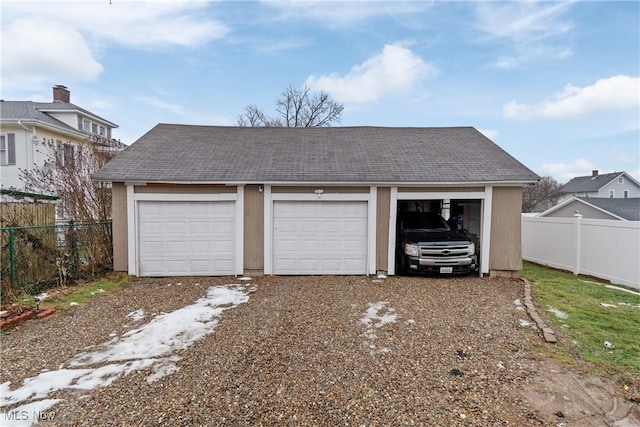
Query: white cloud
[49, 41]
[340, 14]
[522, 21]
[527, 28]
[161, 105]
[613, 93]
[492, 134]
[395, 69]
[563, 172]
[35, 50]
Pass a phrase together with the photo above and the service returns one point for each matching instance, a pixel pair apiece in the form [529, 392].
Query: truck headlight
[472, 249]
[411, 250]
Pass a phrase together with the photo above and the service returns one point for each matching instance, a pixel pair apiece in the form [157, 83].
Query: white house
[611, 185]
[26, 125]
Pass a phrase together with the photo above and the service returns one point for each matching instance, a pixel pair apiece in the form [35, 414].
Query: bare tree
[543, 194]
[296, 108]
[67, 174]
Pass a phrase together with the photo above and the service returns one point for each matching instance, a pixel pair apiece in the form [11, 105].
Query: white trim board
[485, 196]
[270, 198]
[134, 198]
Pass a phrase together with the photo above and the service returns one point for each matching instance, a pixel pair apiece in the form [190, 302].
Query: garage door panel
[317, 237]
[186, 238]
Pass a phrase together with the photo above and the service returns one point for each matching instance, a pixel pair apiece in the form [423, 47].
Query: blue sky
[556, 84]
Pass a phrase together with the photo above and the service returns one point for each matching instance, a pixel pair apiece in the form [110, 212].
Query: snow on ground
[150, 345]
[518, 305]
[136, 315]
[559, 313]
[375, 318]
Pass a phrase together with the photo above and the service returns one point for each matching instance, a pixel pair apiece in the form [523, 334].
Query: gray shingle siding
[628, 209]
[186, 153]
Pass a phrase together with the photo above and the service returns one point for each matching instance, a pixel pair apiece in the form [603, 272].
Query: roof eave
[77, 111]
[49, 126]
[508, 183]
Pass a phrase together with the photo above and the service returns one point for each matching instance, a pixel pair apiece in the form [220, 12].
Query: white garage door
[186, 238]
[319, 237]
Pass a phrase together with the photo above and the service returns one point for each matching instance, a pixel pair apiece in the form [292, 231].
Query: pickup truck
[427, 243]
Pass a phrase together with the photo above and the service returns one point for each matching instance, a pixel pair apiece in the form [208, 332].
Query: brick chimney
[594, 173]
[61, 94]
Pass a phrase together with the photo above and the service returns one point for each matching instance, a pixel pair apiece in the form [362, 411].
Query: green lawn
[594, 314]
[82, 294]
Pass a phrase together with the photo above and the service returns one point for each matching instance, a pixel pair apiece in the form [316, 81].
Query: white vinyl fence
[602, 248]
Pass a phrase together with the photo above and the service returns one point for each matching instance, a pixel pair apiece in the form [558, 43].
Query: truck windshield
[425, 222]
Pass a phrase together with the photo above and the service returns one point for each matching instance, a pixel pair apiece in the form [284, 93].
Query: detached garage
[209, 200]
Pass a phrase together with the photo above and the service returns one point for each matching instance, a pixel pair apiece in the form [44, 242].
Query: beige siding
[326, 189]
[253, 229]
[382, 229]
[119, 215]
[506, 246]
[185, 189]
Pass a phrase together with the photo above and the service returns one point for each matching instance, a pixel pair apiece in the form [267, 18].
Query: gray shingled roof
[585, 184]
[184, 153]
[628, 209]
[29, 110]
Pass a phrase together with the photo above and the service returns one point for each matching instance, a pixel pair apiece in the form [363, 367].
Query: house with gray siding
[610, 185]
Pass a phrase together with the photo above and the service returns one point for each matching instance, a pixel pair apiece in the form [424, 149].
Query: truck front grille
[444, 250]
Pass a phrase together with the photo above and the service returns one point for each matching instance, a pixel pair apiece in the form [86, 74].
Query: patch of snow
[98, 291]
[72, 303]
[381, 276]
[590, 281]
[558, 313]
[617, 288]
[410, 322]
[374, 318]
[43, 296]
[136, 315]
[245, 278]
[149, 346]
[524, 323]
[604, 304]
[518, 305]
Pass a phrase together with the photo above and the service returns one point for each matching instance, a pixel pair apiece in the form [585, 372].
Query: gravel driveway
[351, 351]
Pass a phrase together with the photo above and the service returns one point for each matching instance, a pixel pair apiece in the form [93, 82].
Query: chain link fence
[39, 257]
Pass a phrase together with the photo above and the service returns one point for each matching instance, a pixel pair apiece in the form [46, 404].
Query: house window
[626, 194]
[8, 149]
[94, 128]
[620, 180]
[66, 153]
[612, 194]
[103, 131]
[86, 125]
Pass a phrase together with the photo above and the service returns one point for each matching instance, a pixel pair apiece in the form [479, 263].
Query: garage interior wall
[253, 230]
[119, 226]
[506, 234]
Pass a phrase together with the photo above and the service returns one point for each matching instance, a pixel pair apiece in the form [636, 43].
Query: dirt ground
[578, 399]
[302, 352]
